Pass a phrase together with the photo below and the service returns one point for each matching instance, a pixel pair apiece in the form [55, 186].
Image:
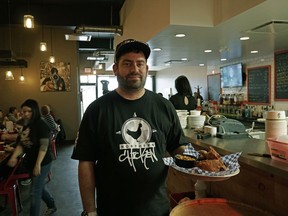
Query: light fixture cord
[42, 12]
[51, 42]
[28, 6]
[9, 20]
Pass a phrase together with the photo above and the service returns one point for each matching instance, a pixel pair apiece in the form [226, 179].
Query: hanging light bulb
[9, 75]
[43, 46]
[52, 59]
[28, 21]
[21, 78]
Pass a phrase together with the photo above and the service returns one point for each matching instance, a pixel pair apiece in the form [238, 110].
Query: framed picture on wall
[55, 77]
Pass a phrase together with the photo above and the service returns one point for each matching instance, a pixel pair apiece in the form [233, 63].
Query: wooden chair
[10, 188]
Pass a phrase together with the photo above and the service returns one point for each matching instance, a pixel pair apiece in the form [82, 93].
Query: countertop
[244, 145]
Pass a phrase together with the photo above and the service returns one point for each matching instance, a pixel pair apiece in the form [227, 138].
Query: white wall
[165, 79]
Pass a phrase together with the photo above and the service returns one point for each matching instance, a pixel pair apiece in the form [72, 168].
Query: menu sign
[258, 85]
[281, 75]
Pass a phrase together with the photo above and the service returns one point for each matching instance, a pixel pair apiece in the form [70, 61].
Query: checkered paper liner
[231, 161]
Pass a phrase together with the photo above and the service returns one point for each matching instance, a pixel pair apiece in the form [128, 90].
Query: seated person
[3, 120]
[54, 127]
[13, 114]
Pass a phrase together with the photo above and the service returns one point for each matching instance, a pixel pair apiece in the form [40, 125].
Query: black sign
[281, 75]
[258, 85]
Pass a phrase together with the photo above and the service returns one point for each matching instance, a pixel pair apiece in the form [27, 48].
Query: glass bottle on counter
[220, 99]
[231, 99]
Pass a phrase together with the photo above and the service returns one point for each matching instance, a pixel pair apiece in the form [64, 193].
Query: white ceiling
[223, 39]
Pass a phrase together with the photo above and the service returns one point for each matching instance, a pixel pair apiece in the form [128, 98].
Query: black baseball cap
[131, 45]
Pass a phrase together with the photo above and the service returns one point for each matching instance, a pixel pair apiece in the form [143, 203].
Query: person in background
[3, 120]
[34, 140]
[54, 127]
[122, 140]
[13, 114]
[183, 99]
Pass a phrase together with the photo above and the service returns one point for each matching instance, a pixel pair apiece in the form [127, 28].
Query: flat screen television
[232, 76]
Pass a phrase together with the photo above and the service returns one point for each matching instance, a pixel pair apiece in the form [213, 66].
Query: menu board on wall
[258, 85]
[281, 75]
[213, 83]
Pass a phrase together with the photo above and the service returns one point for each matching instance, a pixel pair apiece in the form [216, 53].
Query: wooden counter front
[262, 182]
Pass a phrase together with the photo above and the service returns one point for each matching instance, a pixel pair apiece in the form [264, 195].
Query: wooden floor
[63, 186]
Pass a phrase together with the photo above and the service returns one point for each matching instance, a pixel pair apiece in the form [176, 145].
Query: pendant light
[43, 45]
[51, 58]
[28, 19]
[21, 78]
[9, 74]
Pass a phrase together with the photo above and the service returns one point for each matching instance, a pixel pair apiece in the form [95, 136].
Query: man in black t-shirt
[122, 139]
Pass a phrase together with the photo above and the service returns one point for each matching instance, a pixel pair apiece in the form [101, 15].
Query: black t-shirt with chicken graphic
[128, 139]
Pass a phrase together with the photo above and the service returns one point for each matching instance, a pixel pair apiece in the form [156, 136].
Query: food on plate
[214, 165]
[210, 161]
[184, 161]
[185, 157]
[202, 154]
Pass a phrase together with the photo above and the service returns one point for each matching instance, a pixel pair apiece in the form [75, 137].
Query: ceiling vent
[8, 59]
[79, 31]
[21, 63]
[7, 55]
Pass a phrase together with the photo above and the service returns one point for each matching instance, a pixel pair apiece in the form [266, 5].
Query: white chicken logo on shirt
[136, 132]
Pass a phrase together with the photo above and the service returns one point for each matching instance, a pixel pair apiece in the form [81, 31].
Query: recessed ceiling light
[184, 59]
[262, 60]
[254, 51]
[223, 59]
[201, 65]
[180, 35]
[207, 51]
[244, 38]
[157, 49]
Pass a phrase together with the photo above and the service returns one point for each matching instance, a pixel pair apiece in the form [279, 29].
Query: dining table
[4, 154]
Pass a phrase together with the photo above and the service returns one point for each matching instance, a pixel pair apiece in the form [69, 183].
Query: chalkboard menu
[281, 75]
[213, 83]
[258, 85]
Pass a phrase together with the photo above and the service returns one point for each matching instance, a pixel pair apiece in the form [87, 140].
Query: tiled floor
[63, 186]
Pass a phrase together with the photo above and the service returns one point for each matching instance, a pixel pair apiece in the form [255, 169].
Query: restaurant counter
[262, 182]
[244, 145]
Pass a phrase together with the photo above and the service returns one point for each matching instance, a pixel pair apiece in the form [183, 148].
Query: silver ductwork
[8, 59]
[7, 55]
[104, 29]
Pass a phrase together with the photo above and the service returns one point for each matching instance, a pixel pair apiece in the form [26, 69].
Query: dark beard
[131, 85]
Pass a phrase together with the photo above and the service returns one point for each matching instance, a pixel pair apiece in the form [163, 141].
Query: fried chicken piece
[214, 165]
[212, 154]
